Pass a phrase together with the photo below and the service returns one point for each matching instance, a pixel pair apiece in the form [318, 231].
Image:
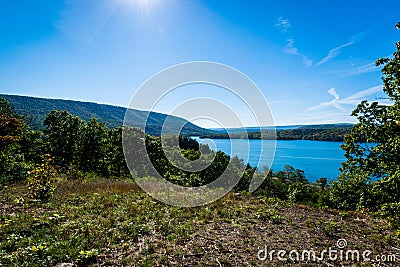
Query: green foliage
[11, 125]
[36, 109]
[322, 182]
[273, 187]
[385, 190]
[166, 168]
[300, 192]
[321, 134]
[13, 167]
[91, 146]
[63, 133]
[13, 163]
[5, 107]
[87, 256]
[313, 132]
[372, 148]
[41, 181]
[349, 193]
[269, 215]
[291, 174]
[329, 228]
[390, 212]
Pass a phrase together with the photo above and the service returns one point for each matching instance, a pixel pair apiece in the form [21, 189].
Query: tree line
[77, 147]
[302, 133]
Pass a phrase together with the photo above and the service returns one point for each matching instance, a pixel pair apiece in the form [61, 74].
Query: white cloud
[292, 50]
[352, 100]
[370, 67]
[283, 24]
[334, 52]
[366, 68]
[307, 61]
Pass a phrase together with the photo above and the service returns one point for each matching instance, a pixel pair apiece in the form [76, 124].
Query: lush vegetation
[379, 158]
[76, 147]
[34, 110]
[317, 133]
[67, 194]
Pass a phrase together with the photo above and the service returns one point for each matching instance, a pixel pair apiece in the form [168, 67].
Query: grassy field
[113, 223]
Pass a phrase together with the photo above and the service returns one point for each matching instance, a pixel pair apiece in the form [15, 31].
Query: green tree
[13, 166]
[300, 192]
[291, 174]
[63, 134]
[322, 182]
[5, 108]
[115, 164]
[11, 125]
[372, 148]
[92, 146]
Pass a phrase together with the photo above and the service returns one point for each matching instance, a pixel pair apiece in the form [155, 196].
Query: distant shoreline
[303, 133]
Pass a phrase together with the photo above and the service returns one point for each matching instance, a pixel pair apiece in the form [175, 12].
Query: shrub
[13, 168]
[41, 181]
[300, 192]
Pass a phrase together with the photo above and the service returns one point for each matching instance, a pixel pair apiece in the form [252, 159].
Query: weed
[329, 228]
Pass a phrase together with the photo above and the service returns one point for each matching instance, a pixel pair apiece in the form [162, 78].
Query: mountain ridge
[35, 109]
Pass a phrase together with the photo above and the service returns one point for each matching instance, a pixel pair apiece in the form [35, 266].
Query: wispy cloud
[370, 67]
[334, 52]
[283, 24]
[291, 49]
[353, 99]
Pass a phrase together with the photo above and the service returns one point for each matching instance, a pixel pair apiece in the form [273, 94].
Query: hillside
[320, 132]
[240, 130]
[35, 109]
[113, 223]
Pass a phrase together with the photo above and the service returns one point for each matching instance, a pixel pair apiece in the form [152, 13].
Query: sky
[312, 60]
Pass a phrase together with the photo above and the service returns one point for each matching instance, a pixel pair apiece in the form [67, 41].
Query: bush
[13, 168]
[390, 212]
[41, 181]
[300, 193]
[350, 193]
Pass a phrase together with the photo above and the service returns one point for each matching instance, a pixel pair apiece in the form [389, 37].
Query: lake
[317, 158]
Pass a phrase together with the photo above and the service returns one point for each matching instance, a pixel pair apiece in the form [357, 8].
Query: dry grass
[113, 223]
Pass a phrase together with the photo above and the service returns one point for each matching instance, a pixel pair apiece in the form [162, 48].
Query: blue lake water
[317, 158]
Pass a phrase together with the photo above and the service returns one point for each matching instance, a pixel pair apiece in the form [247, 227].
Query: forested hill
[35, 109]
[322, 132]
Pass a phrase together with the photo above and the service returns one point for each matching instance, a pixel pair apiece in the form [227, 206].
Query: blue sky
[313, 60]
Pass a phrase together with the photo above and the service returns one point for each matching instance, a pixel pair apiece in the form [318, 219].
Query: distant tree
[5, 107]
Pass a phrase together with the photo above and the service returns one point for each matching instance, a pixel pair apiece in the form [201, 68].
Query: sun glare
[144, 3]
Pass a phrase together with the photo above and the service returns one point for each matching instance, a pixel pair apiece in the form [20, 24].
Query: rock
[65, 265]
